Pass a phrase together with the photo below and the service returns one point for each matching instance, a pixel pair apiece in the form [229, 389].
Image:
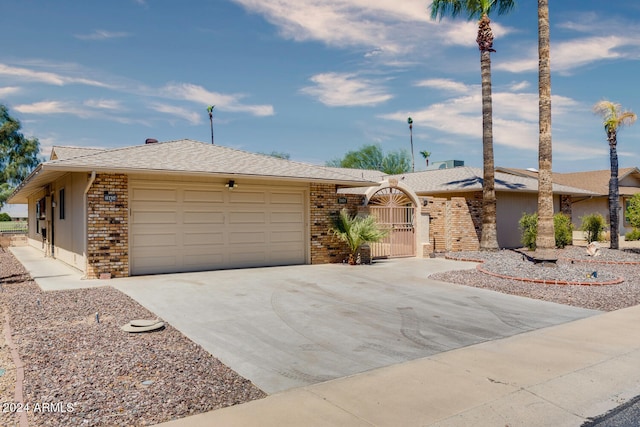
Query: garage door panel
[238, 217]
[205, 260]
[151, 262]
[150, 217]
[241, 237]
[286, 256]
[287, 217]
[289, 198]
[247, 197]
[155, 194]
[203, 238]
[286, 237]
[203, 217]
[210, 196]
[154, 239]
[247, 257]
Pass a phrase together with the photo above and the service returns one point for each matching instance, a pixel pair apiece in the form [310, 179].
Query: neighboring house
[596, 182]
[181, 206]
[515, 195]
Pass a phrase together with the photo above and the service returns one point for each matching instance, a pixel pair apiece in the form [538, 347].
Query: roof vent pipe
[150, 141]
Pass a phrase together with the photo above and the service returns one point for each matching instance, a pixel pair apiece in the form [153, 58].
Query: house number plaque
[110, 197]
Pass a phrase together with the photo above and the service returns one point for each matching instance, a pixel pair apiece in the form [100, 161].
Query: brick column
[108, 227]
[324, 206]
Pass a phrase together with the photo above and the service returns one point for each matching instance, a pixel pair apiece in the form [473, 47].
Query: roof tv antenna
[210, 110]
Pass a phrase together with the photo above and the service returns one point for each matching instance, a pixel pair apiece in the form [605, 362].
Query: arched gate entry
[395, 212]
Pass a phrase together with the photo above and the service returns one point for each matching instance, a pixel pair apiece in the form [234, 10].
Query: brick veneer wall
[436, 208]
[107, 227]
[454, 224]
[462, 234]
[326, 248]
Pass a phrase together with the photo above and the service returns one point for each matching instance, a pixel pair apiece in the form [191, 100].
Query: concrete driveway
[286, 327]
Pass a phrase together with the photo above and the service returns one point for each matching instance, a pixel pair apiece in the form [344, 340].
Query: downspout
[86, 223]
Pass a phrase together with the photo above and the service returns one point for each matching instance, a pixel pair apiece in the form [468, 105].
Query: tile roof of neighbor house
[594, 181]
[467, 179]
[183, 157]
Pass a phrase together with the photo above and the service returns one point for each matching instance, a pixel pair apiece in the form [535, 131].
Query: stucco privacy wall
[324, 205]
[108, 227]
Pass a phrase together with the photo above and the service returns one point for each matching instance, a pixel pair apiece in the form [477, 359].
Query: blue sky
[316, 78]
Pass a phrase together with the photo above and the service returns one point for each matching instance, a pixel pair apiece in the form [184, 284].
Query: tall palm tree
[545, 239]
[613, 119]
[480, 9]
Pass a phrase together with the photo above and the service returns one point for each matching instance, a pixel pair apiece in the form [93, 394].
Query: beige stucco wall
[68, 236]
[510, 207]
[69, 232]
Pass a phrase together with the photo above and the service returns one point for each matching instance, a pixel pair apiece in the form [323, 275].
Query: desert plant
[633, 235]
[529, 226]
[632, 213]
[593, 227]
[563, 230]
[561, 223]
[356, 231]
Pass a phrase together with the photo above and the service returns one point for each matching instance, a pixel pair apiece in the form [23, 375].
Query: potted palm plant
[355, 231]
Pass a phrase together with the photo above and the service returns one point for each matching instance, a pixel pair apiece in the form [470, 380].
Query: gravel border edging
[615, 281]
[558, 282]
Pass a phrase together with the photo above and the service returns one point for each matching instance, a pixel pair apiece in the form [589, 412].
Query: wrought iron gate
[395, 212]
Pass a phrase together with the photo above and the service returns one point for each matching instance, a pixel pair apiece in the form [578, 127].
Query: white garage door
[178, 227]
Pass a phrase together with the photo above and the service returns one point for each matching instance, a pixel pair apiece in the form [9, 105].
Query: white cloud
[447, 85]
[53, 107]
[106, 104]
[46, 77]
[346, 90]
[515, 116]
[568, 55]
[9, 90]
[180, 112]
[369, 23]
[518, 86]
[196, 93]
[102, 35]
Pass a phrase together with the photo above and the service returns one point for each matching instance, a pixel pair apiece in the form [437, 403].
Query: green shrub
[5, 216]
[563, 230]
[633, 235]
[633, 212]
[529, 227]
[593, 226]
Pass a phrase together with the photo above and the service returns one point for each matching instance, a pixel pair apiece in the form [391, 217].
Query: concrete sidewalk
[558, 376]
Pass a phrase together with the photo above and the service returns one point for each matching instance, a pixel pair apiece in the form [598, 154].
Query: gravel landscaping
[91, 373]
[573, 265]
[80, 372]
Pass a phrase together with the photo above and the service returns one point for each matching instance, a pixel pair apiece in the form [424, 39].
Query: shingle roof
[467, 179]
[183, 157]
[594, 181]
[60, 152]
[368, 174]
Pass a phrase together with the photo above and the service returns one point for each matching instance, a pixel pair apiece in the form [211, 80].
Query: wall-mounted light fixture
[231, 184]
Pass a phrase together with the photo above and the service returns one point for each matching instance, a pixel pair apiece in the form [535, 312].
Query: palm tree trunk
[613, 192]
[545, 239]
[489, 236]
